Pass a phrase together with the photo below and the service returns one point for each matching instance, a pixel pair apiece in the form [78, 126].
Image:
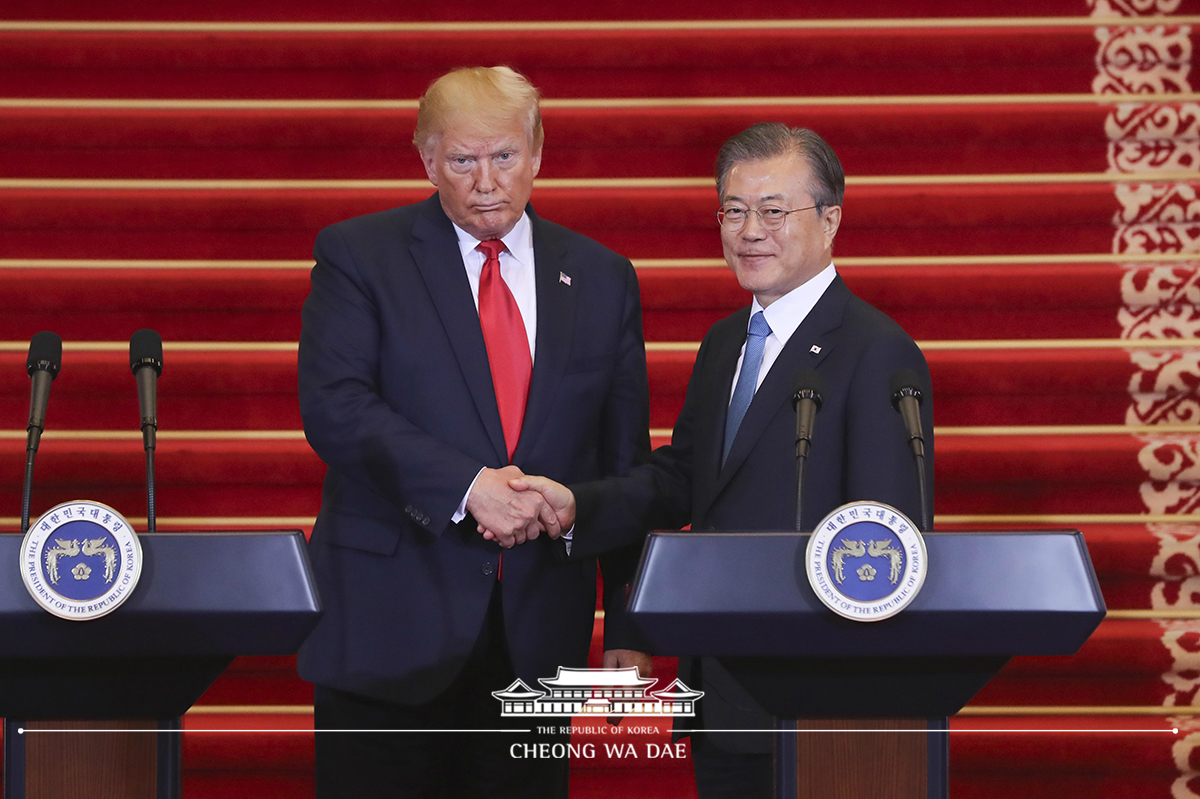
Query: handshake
[512, 507]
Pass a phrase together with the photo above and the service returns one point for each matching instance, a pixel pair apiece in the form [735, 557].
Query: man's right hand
[558, 497]
[504, 515]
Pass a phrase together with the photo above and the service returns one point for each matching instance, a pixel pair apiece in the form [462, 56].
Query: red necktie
[507, 344]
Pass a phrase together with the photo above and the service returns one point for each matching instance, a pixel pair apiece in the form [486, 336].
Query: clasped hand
[511, 507]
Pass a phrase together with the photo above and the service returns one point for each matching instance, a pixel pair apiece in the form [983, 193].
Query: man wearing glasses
[731, 461]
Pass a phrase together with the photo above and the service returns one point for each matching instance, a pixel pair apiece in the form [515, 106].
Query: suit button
[488, 568]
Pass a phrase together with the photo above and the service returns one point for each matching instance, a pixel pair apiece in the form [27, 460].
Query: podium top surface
[209, 593]
[989, 593]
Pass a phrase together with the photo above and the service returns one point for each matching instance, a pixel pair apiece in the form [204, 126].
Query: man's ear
[537, 161]
[831, 220]
[429, 159]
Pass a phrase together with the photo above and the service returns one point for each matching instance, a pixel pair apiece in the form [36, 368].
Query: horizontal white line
[550, 104]
[307, 731]
[956, 23]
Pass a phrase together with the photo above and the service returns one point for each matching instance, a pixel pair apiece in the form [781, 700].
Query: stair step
[260, 301]
[877, 138]
[254, 387]
[154, 219]
[271, 473]
[563, 61]
[472, 10]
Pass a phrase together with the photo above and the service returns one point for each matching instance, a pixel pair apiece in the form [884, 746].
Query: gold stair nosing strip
[473, 26]
[969, 345]
[1099, 100]
[639, 263]
[606, 25]
[1162, 430]
[1147, 345]
[237, 184]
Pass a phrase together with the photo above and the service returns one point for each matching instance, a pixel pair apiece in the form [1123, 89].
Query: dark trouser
[424, 763]
[721, 774]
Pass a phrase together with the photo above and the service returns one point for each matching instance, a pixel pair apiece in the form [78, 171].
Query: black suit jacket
[859, 452]
[397, 399]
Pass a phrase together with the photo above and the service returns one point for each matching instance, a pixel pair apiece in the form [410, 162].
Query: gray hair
[771, 139]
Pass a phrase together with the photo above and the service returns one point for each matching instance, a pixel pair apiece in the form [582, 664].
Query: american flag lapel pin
[563, 277]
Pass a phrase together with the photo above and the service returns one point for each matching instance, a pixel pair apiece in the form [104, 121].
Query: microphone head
[145, 349]
[810, 384]
[45, 354]
[904, 383]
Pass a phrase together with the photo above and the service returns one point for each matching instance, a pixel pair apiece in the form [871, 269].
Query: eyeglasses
[733, 217]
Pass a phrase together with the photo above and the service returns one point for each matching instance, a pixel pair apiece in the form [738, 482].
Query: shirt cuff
[461, 513]
[566, 539]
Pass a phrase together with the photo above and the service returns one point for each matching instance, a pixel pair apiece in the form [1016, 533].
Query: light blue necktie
[747, 380]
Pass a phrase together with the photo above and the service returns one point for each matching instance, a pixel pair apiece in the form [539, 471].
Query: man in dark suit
[446, 347]
[731, 461]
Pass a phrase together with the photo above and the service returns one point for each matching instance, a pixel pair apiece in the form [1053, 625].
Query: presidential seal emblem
[866, 561]
[81, 560]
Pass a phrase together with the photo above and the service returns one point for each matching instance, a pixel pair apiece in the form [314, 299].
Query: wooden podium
[863, 707]
[202, 600]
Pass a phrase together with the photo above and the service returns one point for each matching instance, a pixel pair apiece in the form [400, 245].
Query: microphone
[906, 399]
[146, 362]
[806, 400]
[42, 365]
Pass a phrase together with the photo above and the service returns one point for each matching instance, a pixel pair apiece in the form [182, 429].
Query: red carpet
[474, 10]
[976, 218]
[590, 62]
[255, 387]
[951, 299]
[1040, 301]
[879, 138]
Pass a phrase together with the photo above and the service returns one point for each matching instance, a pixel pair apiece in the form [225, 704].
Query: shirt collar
[518, 241]
[786, 313]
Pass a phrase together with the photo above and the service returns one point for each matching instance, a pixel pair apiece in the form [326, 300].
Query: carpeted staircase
[1022, 198]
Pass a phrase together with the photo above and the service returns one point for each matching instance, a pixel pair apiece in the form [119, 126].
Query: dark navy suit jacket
[397, 400]
[859, 452]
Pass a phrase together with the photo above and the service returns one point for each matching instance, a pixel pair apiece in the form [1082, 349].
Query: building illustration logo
[597, 692]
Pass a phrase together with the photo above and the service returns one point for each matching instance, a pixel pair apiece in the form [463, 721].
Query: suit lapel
[710, 418]
[779, 384]
[435, 251]
[555, 326]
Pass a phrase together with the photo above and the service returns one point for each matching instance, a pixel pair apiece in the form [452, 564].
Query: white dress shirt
[516, 267]
[784, 316]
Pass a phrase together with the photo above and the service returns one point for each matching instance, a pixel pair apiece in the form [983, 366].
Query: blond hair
[478, 98]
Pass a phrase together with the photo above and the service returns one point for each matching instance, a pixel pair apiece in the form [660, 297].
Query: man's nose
[753, 227]
[485, 176]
